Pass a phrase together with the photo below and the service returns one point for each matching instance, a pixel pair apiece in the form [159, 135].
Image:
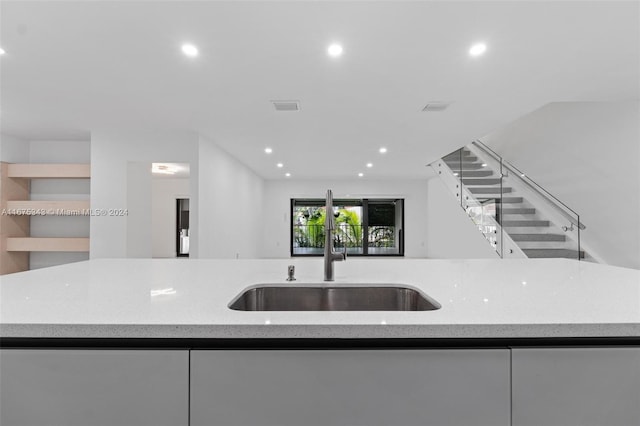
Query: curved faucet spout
[330, 255]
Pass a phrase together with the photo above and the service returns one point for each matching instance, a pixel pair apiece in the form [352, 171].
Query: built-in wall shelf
[48, 208]
[49, 171]
[47, 244]
[16, 241]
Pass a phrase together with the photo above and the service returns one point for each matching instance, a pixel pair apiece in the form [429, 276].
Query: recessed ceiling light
[484, 164]
[334, 50]
[369, 165]
[287, 174]
[280, 165]
[268, 150]
[382, 150]
[2, 52]
[360, 174]
[190, 50]
[477, 49]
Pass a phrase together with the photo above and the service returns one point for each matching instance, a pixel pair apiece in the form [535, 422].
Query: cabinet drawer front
[350, 387]
[576, 386]
[93, 387]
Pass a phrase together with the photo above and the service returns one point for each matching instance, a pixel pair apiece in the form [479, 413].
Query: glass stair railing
[516, 215]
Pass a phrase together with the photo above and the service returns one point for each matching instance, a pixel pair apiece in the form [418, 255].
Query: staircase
[518, 217]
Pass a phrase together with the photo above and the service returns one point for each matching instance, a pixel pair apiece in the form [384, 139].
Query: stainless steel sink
[332, 298]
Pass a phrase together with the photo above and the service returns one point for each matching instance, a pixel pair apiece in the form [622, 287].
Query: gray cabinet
[576, 387]
[93, 387]
[518, 387]
[350, 387]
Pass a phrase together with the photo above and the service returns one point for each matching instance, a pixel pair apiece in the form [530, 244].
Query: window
[366, 227]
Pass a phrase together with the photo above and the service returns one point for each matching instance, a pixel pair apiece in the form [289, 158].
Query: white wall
[165, 192]
[450, 232]
[231, 196]
[13, 150]
[139, 209]
[588, 155]
[112, 154]
[276, 215]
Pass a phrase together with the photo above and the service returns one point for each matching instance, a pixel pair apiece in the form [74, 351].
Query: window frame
[364, 202]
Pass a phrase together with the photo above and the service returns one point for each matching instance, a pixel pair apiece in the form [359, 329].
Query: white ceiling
[71, 67]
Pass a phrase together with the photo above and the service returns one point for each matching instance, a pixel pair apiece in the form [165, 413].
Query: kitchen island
[134, 341]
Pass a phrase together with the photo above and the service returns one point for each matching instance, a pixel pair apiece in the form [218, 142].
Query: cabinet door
[355, 388]
[93, 387]
[576, 387]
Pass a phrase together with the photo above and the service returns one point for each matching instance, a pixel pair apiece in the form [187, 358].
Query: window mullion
[365, 227]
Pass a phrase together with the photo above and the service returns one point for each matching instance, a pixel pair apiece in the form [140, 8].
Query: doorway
[182, 227]
[169, 215]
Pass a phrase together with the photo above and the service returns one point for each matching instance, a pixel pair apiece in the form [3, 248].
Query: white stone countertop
[188, 298]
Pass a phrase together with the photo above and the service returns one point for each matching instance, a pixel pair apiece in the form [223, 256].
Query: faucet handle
[344, 253]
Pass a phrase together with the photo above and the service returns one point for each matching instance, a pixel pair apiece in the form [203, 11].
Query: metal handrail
[533, 185]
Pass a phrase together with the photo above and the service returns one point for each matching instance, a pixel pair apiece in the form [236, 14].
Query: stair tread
[456, 152]
[480, 181]
[497, 197]
[538, 237]
[551, 253]
[488, 190]
[524, 223]
[511, 200]
[457, 158]
[476, 173]
[523, 210]
[465, 161]
[465, 166]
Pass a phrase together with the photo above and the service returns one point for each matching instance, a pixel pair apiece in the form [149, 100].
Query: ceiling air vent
[436, 106]
[286, 105]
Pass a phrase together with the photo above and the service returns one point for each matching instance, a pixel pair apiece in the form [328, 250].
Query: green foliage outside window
[348, 229]
[309, 227]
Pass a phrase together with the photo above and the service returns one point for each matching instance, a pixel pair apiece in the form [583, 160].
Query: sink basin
[332, 298]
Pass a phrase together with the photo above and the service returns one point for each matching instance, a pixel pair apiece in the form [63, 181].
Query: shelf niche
[16, 241]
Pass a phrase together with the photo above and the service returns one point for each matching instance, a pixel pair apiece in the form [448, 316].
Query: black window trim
[364, 202]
